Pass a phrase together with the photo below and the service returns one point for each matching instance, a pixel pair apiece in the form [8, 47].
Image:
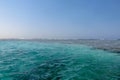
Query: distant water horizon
[59, 38]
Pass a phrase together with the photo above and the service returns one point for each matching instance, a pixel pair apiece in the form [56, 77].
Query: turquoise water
[30, 60]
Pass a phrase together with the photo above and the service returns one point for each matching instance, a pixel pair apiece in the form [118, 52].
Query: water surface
[31, 60]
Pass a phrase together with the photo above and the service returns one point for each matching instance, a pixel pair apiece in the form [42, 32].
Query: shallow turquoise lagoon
[30, 60]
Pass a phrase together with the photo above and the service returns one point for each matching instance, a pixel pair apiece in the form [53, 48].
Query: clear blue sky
[60, 19]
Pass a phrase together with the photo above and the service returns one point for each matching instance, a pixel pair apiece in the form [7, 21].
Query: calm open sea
[33, 60]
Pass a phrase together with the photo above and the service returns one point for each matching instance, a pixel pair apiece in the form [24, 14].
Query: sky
[60, 19]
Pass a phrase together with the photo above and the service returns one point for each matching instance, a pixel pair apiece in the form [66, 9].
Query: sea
[39, 60]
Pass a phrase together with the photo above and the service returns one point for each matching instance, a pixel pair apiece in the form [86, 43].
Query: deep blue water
[30, 60]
